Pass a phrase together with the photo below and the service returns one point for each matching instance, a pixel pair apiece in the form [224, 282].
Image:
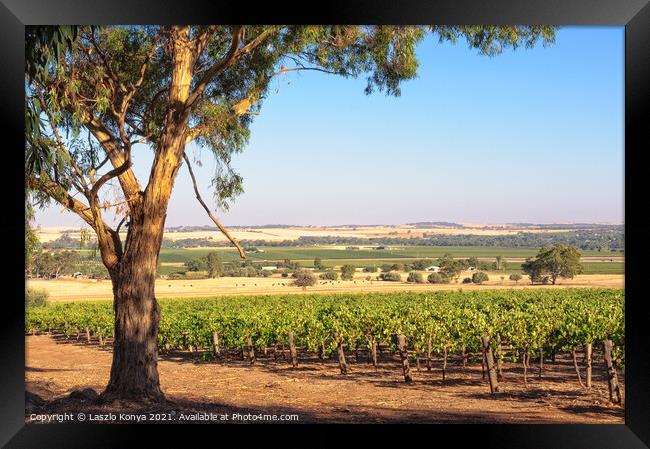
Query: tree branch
[223, 230]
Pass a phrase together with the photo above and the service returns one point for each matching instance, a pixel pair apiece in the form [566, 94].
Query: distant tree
[421, 264]
[347, 272]
[479, 277]
[450, 267]
[372, 269]
[391, 276]
[472, 262]
[214, 265]
[304, 279]
[534, 269]
[196, 265]
[559, 261]
[397, 267]
[415, 277]
[515, 277]
[318, 263]
[385, 268]
[329, 275]
[437, 278]
[500, 263]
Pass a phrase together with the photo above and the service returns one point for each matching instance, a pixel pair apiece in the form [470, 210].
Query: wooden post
[429, 355]
[444, 362]
[541, 362]
[215, 344]
[483, 364]
[612, 378]
[489, 359]
[87, 334]
[524, 359]
[498, 357]
[250, 349]
[373, 353]
[343, 366]
[292, 350]
[588, 357]
[464, 355]
[403, 353]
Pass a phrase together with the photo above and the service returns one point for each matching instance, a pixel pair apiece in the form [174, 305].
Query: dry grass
[85, 289]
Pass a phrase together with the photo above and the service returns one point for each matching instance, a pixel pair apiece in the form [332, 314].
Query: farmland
[329, 338]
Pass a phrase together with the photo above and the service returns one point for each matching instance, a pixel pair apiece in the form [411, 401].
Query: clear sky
[532, 135]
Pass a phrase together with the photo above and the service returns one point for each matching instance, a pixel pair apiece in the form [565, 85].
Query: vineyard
[493, 328]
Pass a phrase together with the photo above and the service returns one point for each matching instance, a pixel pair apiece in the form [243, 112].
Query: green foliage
[515, 277]
[214, 265]
[372, 269]
[437, 278]
[557, 261]
[36, 298]
[347, 272]
[450, 267]
[526, 320]
[318, 263]
[304, 279]
[415, 277]
[391, 276]
[329, 275]
[479, 277]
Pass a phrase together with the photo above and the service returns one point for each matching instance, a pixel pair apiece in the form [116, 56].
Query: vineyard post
[498, 357]
[575, 364]
[343, 366]
[250, 349]
[292, 350]
[429, 354]
[524, 360]
[215, 344]
[87, 334]
[444, 362]
[492, 374]
[541, 361]
[464, 355]
[588, 356]
[483, 364]
[403, 353]
[612, 378]
[373, 352]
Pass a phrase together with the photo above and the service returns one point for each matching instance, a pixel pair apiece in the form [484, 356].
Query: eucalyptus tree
[95, 95]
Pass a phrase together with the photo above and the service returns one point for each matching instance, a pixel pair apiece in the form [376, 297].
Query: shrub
[370, 269]
[304, 279]
[467, 281]
[285, 275]
[515, 277]
[347, 272]
[416, 277]
[395, 277]
[437, 278]
[329, 275]
[479, 277]
[36, 298]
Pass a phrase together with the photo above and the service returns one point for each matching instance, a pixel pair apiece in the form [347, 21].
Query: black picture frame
[633, 14]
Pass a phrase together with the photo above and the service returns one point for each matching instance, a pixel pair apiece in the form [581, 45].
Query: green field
[365, 257]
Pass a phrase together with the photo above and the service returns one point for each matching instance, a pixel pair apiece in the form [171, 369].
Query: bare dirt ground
[316, 392]
[89, 289]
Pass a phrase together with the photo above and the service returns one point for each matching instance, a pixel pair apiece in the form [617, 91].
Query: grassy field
[611, 263]
[308, 253]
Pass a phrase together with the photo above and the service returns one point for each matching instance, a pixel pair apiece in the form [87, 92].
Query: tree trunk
[134, 371]
[250, 349]
[87, 334]
[612, 378]
[343, 366]
[489, 358]
[403, 354]
[373, 353]
[292, 350]
[575, 365]
[588, 356]
[321, 351]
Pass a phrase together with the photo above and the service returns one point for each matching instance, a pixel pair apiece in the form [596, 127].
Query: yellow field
[84, 289]
[293, 233]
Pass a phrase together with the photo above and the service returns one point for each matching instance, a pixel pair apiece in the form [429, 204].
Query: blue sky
[533, 135]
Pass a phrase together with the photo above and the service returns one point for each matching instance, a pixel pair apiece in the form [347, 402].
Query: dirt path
[316, 392]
